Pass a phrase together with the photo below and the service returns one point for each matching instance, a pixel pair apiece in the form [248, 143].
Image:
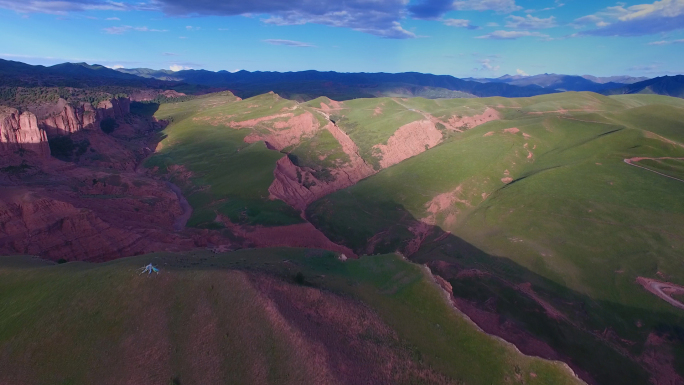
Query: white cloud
[113, 18]
[290, 43]
[635, 20]
[488, 65]
[492, 24]
[127, 28]
[503, 6]
[511, 35]
[115, 66]
[667, 42]
[377, 17]
[521, 72]
[459, 23]
[530, 22]
[178, 67]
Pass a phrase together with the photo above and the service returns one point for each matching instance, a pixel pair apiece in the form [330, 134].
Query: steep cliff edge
[20, 131]
[298, 186]
[71, 119]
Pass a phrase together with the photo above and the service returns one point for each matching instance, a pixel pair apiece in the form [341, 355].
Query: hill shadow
[603, 342]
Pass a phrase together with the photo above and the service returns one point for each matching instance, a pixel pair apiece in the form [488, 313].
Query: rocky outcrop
[21, 132]
[467, 122]
[298, 186]
[287, 133]
[114, 108]
[71, 119]
[84, 223]
[409, 140]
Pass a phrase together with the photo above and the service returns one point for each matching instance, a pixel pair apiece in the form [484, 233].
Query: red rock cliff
[20, 131]
[71, 119]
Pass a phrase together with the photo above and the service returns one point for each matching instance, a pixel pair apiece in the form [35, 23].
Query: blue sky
[480, 38]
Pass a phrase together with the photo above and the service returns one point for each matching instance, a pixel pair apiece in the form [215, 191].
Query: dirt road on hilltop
[659, 289]
[631, 160]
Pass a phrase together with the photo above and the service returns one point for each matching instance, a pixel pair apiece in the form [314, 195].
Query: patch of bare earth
[467, 122]
[658, 358]
[444, 204]
[298, 186]
[254, 122]
[287, 133]
[408, 141]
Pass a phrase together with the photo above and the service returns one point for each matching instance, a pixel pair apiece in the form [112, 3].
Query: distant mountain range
[665, 85]
[307, 85]
[77, 75]
[311, 84]
[564, 82]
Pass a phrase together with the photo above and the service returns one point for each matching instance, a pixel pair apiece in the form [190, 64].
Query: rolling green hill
[541, 213]
[269, 316]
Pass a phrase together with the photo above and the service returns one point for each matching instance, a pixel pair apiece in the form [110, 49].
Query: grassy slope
[237, 174]
[562, 204]
[232, 177]
[203, 320]
[576, 221]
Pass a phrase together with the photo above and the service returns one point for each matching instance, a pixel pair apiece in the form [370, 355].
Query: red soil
[442, 203]
[287, 133]
[298, 186]
[467, 122]
[658, 358]
[254, 122]
[408, 141]
[333, 106]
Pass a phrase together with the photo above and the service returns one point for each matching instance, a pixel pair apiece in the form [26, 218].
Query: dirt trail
[182, 220]
[631, 160]
[661, 289]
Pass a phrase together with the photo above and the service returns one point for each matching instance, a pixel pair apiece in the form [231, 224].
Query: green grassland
[541, 196]
[210, 318]
[231, 178]
[575, 219]
[572, 200]
[228, 176]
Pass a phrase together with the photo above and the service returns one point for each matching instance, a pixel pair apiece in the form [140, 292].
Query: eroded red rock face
[298, 186]
[408, 141]
[84, 215]
[19, 131]
[70, 119]
[490, 114]
[286, 133]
